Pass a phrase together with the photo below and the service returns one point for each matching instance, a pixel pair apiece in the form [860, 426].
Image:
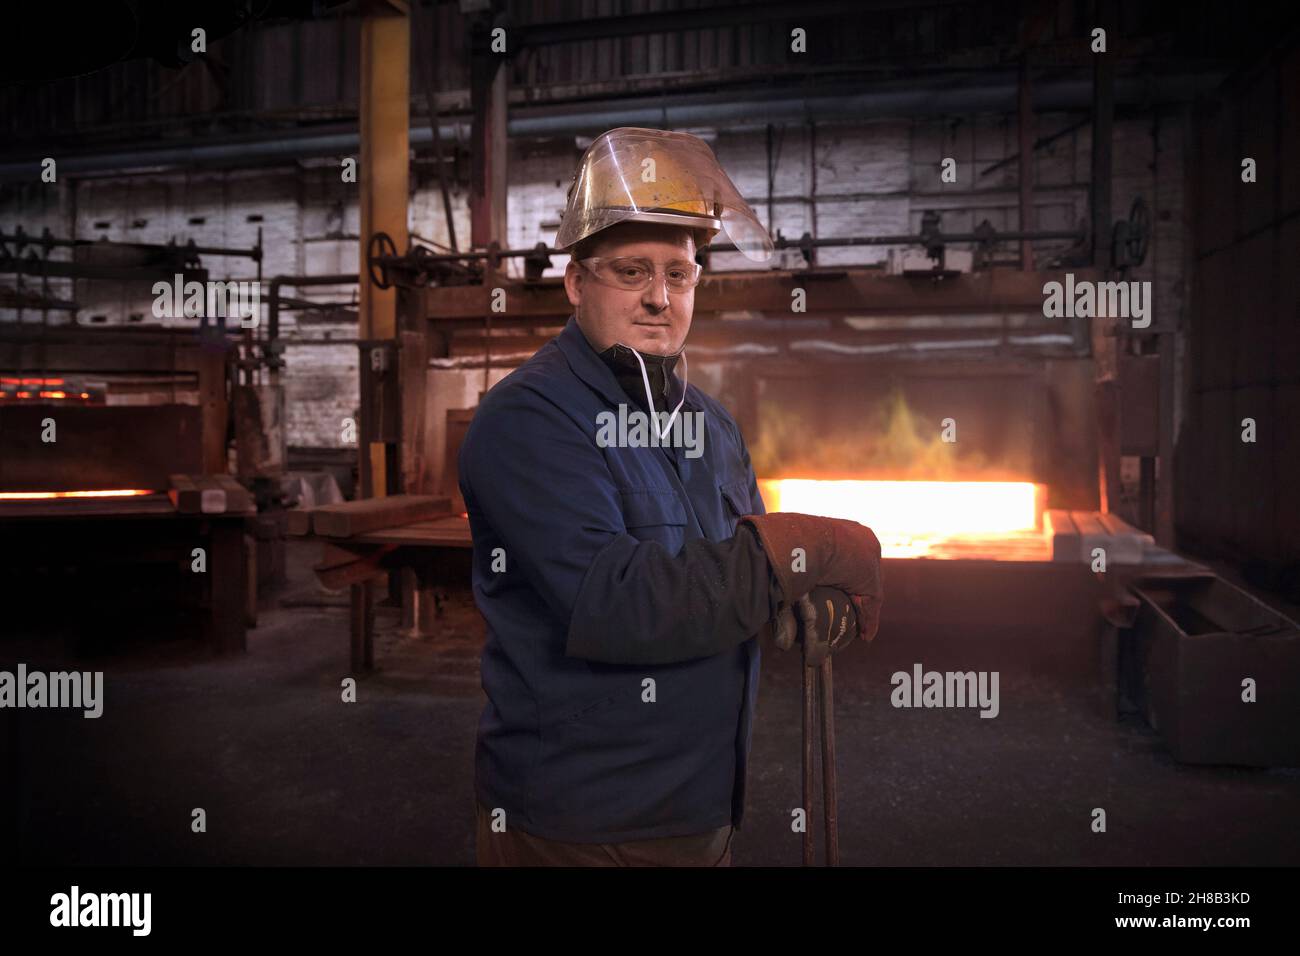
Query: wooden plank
[192, 495]
[354, 517]
[1118, 526]
[1122, 543]
[1127, 543]
[451, 531]
[184, 494]
[1063, 534]
[1091, 535]
[339, 568]
[214, 496]
[298, 521]
[238, 498]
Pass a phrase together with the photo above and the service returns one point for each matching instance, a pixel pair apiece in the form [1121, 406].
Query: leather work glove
[824, 622]
[836, 553]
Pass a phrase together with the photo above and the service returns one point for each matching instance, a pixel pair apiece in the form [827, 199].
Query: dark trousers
[515, 847]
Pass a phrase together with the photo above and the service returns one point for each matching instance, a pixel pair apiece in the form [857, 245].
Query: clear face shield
[651, 175]
[632, 174]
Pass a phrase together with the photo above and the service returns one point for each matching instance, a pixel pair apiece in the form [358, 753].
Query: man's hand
[807, 551]
[824, 621]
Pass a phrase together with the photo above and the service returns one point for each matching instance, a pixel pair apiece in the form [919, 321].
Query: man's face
[654, 320]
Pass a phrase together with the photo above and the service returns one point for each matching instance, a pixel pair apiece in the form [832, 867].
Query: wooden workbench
[434, 547]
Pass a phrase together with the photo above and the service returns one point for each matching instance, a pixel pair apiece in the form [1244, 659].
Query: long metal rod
[830, 799]
[939, 237]
[1025, 133]
[30, 239]
[427, 78]
[1038, 144]
[809, 735]
[922, 97]
[702, 18]
[275, 302]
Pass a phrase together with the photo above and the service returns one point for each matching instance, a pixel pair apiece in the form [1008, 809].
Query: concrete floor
[287, 774]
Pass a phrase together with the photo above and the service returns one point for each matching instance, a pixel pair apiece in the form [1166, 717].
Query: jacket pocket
[736, 495]
[647, 507]
[588, 710]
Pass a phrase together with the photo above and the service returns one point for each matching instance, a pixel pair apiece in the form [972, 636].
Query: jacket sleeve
[538, 479]
[756, 504]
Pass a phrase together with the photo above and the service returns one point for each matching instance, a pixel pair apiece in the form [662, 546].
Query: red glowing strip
[42, 495]
[31, 381]
[58, 394]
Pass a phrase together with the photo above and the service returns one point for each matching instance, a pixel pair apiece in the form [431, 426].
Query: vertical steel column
[1105, 345]
[1103, 122]
[384, 169]
[1025, 129]
[487, 198]
[809, 787]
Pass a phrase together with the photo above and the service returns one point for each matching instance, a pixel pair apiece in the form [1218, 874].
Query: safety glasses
[635, 274]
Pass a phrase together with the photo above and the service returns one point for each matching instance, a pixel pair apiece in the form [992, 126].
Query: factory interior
[252, 523]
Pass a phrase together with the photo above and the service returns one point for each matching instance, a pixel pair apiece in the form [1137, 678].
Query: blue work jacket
[576, 544]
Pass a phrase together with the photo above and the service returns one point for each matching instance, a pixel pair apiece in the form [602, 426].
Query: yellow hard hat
[632, 174]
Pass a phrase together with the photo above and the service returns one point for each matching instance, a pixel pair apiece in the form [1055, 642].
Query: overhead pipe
[918, 98]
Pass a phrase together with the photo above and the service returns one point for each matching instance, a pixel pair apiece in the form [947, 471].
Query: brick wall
[870, 177]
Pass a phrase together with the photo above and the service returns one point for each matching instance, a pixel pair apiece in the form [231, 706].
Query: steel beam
[385, 122]
[852, 291]
[1025, 131]
[488, 139]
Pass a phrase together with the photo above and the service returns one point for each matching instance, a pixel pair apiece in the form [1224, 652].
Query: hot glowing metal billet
[911, 517]
[44, 495]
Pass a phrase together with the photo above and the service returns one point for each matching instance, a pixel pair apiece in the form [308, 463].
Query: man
[624, 582]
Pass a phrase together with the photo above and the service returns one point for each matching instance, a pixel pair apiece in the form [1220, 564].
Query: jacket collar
[591, 368]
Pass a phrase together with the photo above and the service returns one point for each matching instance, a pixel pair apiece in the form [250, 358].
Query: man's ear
[573, 279]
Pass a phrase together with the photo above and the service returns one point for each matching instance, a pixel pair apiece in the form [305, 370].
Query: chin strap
[645, 379]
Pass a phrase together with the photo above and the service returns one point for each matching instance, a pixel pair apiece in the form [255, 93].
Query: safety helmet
[632, 174]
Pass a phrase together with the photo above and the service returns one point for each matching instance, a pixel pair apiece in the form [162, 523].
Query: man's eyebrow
[679, 258]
